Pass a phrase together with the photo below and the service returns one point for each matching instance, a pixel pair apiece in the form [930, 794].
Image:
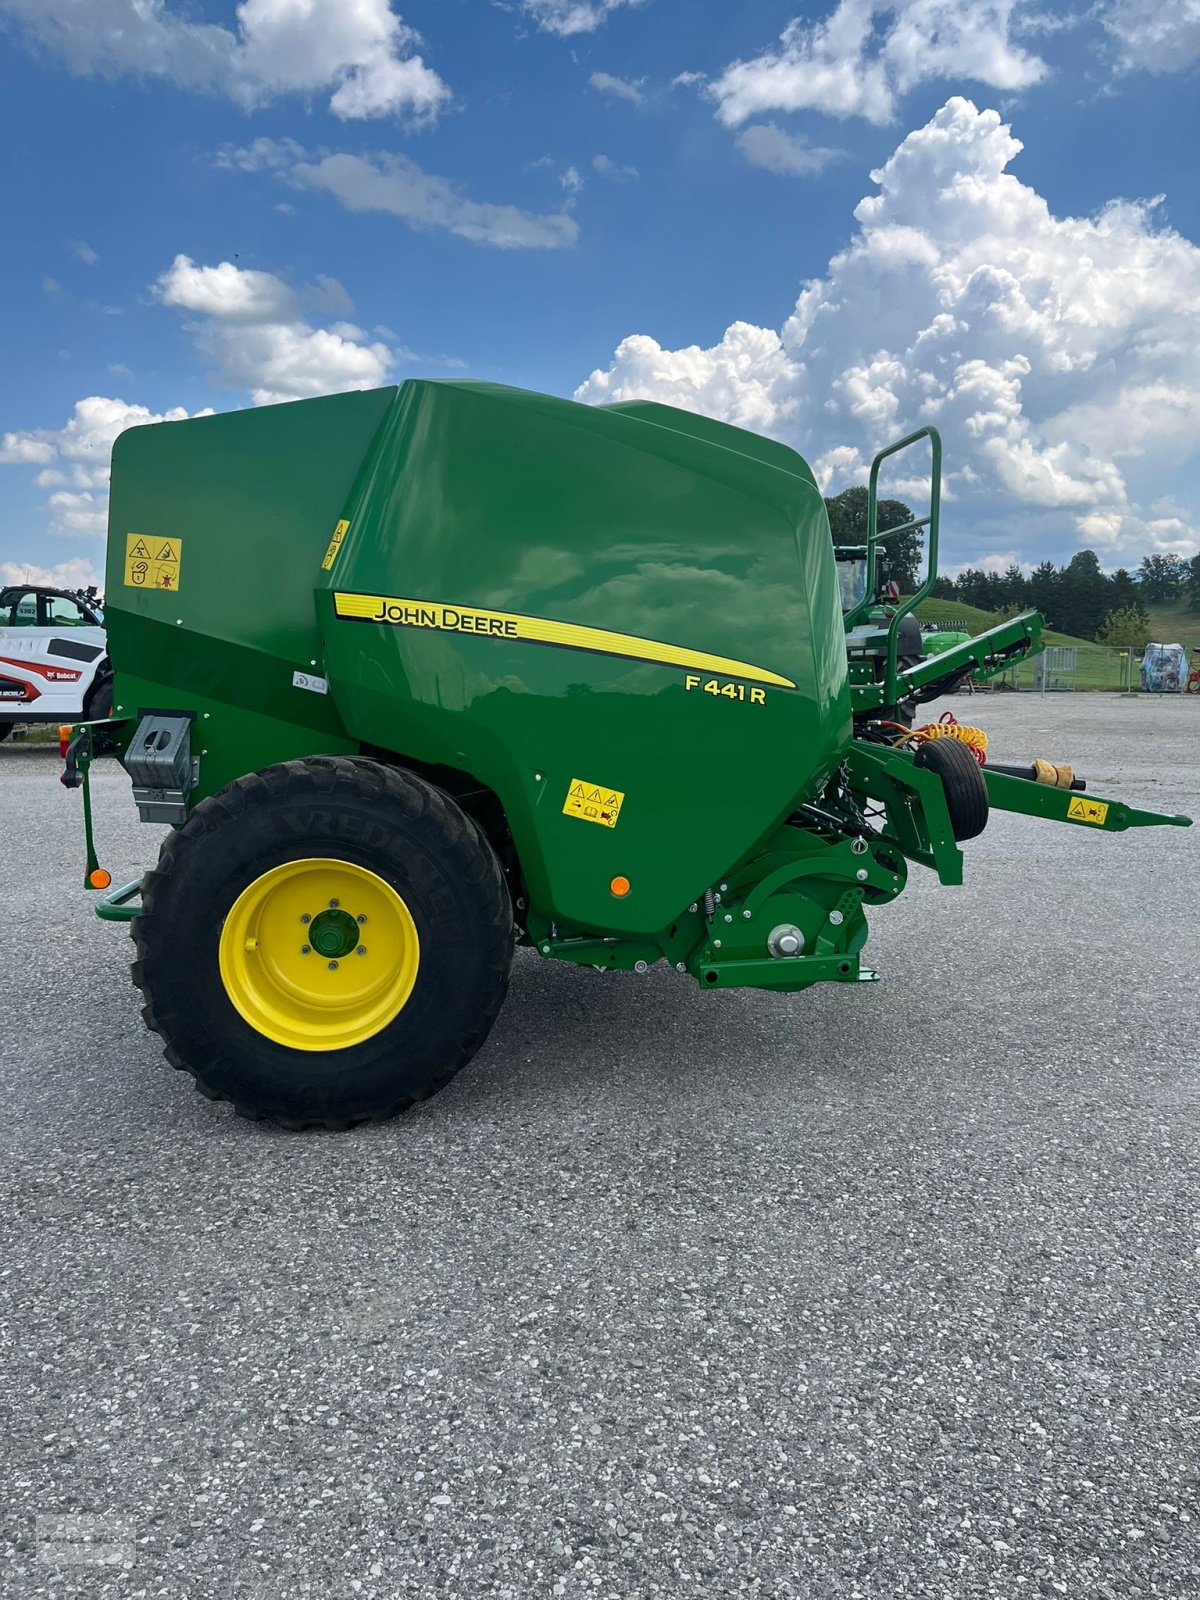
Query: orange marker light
[620, 887]
[99, 879]
[64, 738]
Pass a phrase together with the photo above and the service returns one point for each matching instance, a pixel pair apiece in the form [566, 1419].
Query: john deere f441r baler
[415, 673]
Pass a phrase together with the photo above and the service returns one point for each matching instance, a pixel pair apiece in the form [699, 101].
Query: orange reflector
[620, 887]
[64, 738]
[99, 879]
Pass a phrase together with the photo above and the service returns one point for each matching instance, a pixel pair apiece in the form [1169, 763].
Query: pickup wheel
[962, 780]
[324, 943]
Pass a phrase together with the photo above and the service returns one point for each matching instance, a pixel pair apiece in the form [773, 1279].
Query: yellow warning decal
[1093, 811]
[335, 544]
[594, 802]
[399, 613]
[152, 563]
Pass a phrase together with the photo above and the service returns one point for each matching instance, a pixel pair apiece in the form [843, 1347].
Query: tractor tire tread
[475, 864]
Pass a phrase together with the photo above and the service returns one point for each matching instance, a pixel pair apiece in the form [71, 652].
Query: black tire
[5, 729]
[99, 702]
[966, 791]
[375, 817]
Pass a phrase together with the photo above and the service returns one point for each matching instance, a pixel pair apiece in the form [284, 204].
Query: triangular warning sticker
[166, 553]
[595, 795]
[139, 551]
[577, 792]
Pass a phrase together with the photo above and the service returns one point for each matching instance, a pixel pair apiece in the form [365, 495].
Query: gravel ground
[872, 1293]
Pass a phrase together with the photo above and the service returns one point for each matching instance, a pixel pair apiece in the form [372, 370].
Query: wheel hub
[333, 933]
[284, 965]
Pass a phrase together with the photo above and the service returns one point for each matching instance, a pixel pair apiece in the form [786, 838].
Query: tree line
[1079, 598]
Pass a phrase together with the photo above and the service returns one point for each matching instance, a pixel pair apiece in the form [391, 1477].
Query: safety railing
[875, 539]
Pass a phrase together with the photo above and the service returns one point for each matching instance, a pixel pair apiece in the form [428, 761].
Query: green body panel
[512, 502]
[253, 496]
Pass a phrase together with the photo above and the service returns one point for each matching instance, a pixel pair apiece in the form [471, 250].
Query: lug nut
[333, 966]
[361, 951]
[306, 917]
[361, 920]
[333, 905]
[305, 950]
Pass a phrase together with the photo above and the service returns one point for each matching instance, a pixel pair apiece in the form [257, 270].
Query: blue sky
[216, 205]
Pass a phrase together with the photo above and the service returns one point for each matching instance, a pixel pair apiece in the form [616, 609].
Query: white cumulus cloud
[1060, 356]
[567, 17]
[622, 88]
[256, 339]
[77, 573]
[358, 50]
[790, 154]
[396, 184]
[75, 460]
[1155, 35]
[865, 55]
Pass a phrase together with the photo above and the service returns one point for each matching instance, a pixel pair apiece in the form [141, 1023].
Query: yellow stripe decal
[441, 618]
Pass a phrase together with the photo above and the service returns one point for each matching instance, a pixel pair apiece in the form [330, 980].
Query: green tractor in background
[416, 673]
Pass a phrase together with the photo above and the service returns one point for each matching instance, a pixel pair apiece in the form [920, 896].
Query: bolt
[716, 944]
[537, 777]
[695, 906]
[679, 967]
[724, 886]
[717, 898]
[746, 915]
[360, 920]
[333, 905]
[729, 916]
[305, 950]
[361, 951]
[333, 966]
[306, 918]
[836, 918]
[861, 874]
[640, 966]
[207, 714]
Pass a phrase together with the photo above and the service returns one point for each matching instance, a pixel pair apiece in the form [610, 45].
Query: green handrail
[873, 539]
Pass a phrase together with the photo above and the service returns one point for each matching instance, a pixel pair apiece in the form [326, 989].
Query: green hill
[974, 620]
[1169, 624]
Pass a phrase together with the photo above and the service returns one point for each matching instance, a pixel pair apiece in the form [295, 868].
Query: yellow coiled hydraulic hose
[948, 727]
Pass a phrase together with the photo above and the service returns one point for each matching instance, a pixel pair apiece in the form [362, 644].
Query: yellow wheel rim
[319, 954]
